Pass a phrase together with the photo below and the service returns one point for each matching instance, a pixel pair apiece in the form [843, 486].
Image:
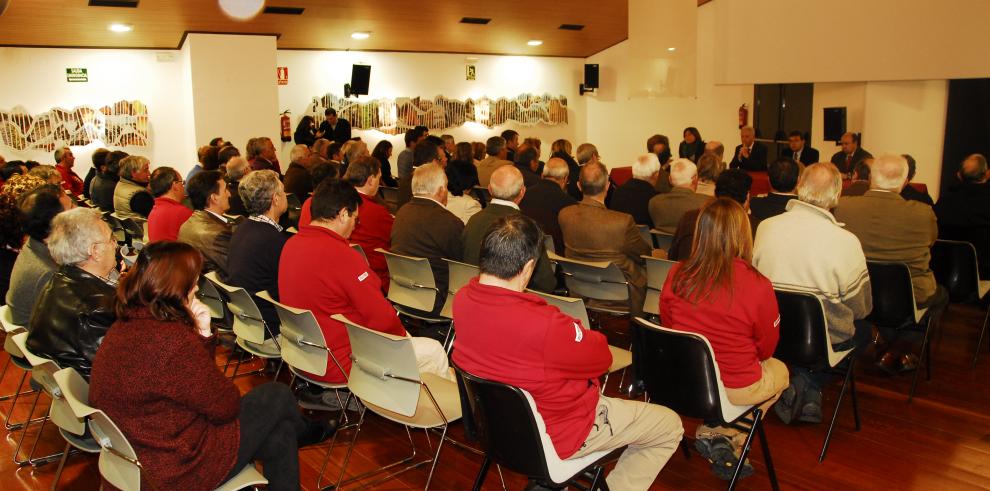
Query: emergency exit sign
[76, 75]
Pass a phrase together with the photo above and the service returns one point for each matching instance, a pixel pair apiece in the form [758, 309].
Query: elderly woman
[156, 378]
[709, 168]
[462, 177]
[75, 309]
[131, 198]
[255, 247]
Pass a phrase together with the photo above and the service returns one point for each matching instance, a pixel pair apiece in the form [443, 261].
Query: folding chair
[957, 268]
[41, 373]
[249, 326]
[600, 280]
[412, 288]
[656, 275]
[661, 240]
[17, 359]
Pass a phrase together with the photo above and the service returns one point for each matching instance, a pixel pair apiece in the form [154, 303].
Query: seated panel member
[509, 336]
[798, 150]
[750, 155]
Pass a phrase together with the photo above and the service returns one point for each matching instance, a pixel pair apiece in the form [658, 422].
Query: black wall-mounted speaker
[360, 77]
[591, 75]
[835, 123]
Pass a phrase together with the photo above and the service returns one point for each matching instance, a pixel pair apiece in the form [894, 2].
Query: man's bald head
[507, 183]
[889, 173]
[974, 168]
[594, 179]
[820, 185]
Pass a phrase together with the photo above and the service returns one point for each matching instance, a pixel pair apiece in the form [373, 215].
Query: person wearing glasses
[169, 213]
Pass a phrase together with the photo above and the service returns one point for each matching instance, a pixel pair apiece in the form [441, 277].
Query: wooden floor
[941, 441]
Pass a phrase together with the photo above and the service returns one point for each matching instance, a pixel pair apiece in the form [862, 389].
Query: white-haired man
[667, 209]
[544, 200]
[298, 180]
[750, 154]
[633, 197]
[891, 228]
[131, 198]
[425, 228]
[805, 248]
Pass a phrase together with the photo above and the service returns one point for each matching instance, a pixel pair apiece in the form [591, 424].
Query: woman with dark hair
[383, 152]
[692, 147]
[155, 377]
[211, 158]
[659, 145]
[305, 131]
[462, 177]
[718, 293]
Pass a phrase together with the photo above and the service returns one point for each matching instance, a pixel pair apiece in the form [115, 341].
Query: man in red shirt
[342, 285]
[515, 338]
[375, 229]
[70, 180]
[168, 214]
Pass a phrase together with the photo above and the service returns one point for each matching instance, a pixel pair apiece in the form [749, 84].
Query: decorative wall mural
[122, 124]
[399, 115]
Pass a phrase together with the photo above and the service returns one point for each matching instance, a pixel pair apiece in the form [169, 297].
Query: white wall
[315, 73]
[852, 96]
[35, 79]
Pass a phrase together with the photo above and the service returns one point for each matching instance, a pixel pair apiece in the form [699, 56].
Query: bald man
[750, 154]
[850, 155]
[544, 200]
[963, 209]
[507, 189]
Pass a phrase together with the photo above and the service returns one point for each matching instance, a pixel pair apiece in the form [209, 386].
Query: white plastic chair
[656, 275]
[249, 326]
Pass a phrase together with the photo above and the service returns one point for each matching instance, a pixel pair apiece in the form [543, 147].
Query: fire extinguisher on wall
[743, 116]
[286, 127]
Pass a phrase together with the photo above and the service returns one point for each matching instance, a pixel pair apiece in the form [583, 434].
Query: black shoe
[636, 389]
[317, 432]
[720, 452]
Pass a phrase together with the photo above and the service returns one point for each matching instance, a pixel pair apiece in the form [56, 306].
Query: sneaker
[723, 457]
[785, 405]
[317, 432]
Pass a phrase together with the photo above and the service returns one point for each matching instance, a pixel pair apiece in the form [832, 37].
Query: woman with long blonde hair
[716, 292]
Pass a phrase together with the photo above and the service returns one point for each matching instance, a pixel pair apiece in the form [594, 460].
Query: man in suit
[424, 227]
[298, 180]
[750, 155]
[497, 152]
[261, 155]
[544, 200]
[909, 191]
[206, 229]
[891, 228]
[425, 152]
[507, 191]
[334, 128]
[527, 162]
[511, 138]
[634, 196]
[963, 209]
[667, 209]
[733, 184]
[850, 155]
[798, 151]
[783, 174]
[595, 233]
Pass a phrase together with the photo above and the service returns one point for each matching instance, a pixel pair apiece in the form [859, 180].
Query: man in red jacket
[515, 338]
[64, 161]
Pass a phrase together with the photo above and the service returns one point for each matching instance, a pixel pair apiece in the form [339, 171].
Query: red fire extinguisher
[743, 115]
[286, 127]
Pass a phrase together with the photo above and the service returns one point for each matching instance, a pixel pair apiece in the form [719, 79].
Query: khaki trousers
[772, 383]
[651, 433]
[431, 358]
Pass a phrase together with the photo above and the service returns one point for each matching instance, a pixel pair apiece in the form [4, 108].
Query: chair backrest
[248, 323]
[360, 250]
[117, 226]
[804, 339]
[74, 390]
[384, 371]
[682, 374]
[644, 232]
[601, 280]
[656, 275]
[210, 297]
[956, 268]
[661, 240]
[573, 307]
[893, 294]
[42, 368]
[411, 283]
[548, 243]
[389, 194]
[460, 274]
[303, 345]
[7, 321]
[505, 424]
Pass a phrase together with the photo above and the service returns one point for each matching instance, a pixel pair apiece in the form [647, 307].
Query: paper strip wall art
[125, 123]
[395, 116]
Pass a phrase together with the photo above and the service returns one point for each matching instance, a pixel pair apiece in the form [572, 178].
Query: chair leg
[983, 333]
[771, 472]
[925, 360]
[480, 478]
[436, 456]
[852, 393]
[61, 465]
[24, 431]
[838, 407]
[13, 404]
[685, 448]
[347, 456]
[745, 450]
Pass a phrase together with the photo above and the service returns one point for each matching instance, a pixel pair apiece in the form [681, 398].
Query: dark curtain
[967, 125]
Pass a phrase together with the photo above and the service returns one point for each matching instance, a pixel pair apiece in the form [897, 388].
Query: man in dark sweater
[256, 246]
[783, 175]
[633, 196]
[546, 198]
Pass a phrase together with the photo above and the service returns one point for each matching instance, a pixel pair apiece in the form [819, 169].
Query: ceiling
[395, 25]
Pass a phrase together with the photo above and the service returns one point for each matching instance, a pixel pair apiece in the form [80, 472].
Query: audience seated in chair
[168, 214]
[261, 154]
[99, 159]
[963, 209]
[105, 183]
[910, 192]
[546, 198]
[71, 182]
[256, 245]
[667, 209]
[659, 145]
[374, 230]
[507, 190]
[528, 163]
[497, 152]
[891, 228]
[709, 168]
[462, 177]
[861, 179]
[716, 292]
[783, 176]
[561, 149]
[237, 168]
[424, 227]
[75, 310]
[322, 171]
[155, 377]
[594, 233]
[34, 265]
[206, 229]
[513, 337]
[131, 198]
[426, 152]
[807, 249]
[298, 180]
[734, 184]
[634, 196]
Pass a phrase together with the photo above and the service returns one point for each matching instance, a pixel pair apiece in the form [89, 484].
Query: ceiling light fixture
[121, 27]
[360, 35]
[534, 42]
[242, 9]
[671, 49]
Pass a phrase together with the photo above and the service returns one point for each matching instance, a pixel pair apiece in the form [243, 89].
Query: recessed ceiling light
[534, 42]
[242, 9]
[360, 35]
[671, 49]
[121, 27]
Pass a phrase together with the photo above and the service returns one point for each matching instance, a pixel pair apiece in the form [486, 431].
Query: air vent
[571, 27]
[475, 20]
[113, 3]
[284, 10]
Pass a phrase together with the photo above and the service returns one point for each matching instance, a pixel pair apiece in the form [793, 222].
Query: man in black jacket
[633, 197]
[851, 154]
[750, 155]
[334, 128]
[963, 209]
[798, 150]
[783, 174]
[544, 200]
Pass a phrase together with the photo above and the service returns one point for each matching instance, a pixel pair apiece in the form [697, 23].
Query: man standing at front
[515, 338]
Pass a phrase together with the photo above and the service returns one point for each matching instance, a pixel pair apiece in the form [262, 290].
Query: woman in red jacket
[718, 293]
[157, 380]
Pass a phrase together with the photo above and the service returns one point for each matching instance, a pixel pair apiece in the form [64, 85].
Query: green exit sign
[76, 75]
